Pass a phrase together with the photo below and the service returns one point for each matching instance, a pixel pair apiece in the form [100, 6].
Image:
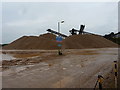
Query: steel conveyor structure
[57, 33]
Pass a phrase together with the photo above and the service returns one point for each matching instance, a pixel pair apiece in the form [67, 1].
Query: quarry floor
[76, 68]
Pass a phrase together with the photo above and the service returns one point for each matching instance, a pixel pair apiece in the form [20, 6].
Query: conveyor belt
[52, 31]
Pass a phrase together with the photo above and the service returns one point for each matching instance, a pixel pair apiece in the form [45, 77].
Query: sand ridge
[48, 42]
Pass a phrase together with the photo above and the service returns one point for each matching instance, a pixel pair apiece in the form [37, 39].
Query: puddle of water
[6, 57]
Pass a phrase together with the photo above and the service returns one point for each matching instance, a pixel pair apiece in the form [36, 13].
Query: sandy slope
[48, 42]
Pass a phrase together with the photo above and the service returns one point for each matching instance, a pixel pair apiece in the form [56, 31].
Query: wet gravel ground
[75, 69]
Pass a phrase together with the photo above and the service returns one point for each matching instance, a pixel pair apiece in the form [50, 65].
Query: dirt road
[75, 69]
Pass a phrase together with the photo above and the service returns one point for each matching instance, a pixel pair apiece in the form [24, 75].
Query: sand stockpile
[48, 36]
[87, 41]
[48, 42]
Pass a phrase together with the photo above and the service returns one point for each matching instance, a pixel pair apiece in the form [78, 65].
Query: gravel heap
[48, 42]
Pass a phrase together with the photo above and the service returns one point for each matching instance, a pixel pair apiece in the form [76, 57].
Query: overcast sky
[34, 18]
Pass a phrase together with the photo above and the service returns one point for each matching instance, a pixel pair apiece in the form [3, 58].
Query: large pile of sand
[48, 36]
[47, 41]
[87, 41]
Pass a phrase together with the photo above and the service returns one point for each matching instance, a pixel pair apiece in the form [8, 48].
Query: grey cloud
[34, 18]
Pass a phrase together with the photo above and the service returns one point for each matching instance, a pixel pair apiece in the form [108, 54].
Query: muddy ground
[76, 68]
